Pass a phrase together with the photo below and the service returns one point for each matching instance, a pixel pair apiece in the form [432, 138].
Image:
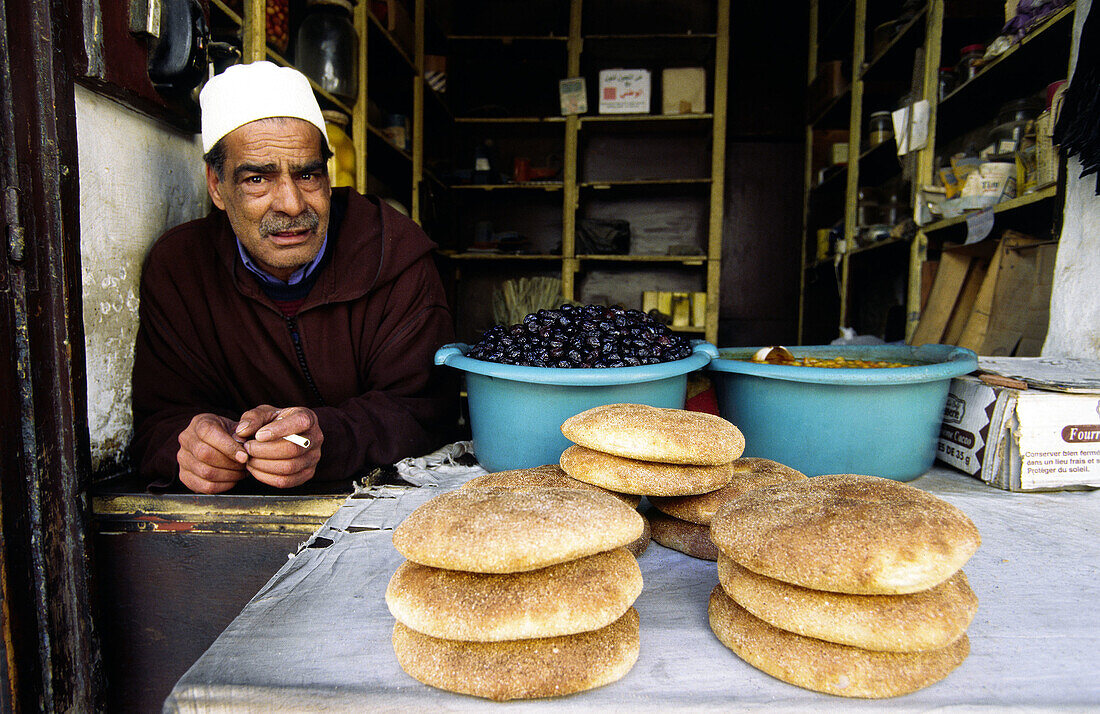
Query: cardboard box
[992, 297]
[625, 91]
[1021, 439]
[683, 90]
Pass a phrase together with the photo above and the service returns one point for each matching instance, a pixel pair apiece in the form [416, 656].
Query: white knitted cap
[244, 93]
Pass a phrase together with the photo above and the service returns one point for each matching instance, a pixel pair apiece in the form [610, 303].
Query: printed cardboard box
[625, 91]
[1022, 439]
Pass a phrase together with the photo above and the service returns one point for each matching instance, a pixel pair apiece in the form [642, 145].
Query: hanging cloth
[1078, 128]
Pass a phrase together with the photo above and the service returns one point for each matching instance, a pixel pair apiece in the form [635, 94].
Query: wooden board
[941, 302]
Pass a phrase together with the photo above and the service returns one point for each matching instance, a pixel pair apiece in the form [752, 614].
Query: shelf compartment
[654, 36]
[877, 245]
[1028, 200]
[879, 164]
[510, 120]
[648, 17]
[399, 49]
[1025, 69]
[691, 260]
[507, 39]
[612, 283]
[648, 121]
[457, 255]
[528, 185]
[835, 113]
[895, 61]
[644, 183]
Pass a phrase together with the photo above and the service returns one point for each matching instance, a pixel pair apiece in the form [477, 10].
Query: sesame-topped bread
[826, 666]
[548, 476]
[484, 530]
[564, 599]
[847, 533]
[687, 537]
[925, 620]
[673, 436]
[646, 478]
[748, 473]
[521, 669]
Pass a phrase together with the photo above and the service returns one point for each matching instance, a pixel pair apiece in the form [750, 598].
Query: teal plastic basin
[516, 413]
[881, 422]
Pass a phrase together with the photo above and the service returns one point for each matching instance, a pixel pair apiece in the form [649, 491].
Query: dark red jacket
[210, 340]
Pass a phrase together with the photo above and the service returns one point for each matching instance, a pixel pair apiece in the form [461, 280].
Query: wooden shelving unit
[399, 79]
[833, 288]
[572, 41]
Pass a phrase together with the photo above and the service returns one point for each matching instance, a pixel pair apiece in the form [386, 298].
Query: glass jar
[1012, 121]
[970, 61]
[948, 80]
[341, 165]
[880, 128]
[328, 47]
[277, 23]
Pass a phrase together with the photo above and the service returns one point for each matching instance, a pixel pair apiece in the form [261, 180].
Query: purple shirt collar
[296, 277]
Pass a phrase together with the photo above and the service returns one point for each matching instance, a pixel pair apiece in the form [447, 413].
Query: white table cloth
[317, 636]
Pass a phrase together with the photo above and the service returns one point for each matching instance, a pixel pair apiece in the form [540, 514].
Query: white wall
[1074, 329]
[138, 177]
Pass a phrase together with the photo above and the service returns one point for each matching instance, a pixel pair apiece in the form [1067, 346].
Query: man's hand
[272, 459]
[210, 459]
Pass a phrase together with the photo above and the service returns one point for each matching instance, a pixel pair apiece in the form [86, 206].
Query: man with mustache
[292, 309]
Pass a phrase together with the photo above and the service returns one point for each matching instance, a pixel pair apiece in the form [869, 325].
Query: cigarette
[298, 439]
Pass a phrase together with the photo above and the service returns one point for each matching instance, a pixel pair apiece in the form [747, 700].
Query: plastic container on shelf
[341, 165]
[327, 47]
[880, 128]
[970, 61]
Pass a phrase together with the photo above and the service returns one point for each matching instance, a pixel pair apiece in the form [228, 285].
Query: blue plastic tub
[881, 422]
[516, 413]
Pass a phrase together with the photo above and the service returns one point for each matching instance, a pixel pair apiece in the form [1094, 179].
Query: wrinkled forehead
[278, 139]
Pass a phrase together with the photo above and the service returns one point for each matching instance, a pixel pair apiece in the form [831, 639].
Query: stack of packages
[510, 594]
[651, 451]
[683, 522]
[850, 585]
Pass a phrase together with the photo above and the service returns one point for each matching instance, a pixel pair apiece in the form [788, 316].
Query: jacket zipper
[292, 325]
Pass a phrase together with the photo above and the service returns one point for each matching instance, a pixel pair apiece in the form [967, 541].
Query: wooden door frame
[51, 656]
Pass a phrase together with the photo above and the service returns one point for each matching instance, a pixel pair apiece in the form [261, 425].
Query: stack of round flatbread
[683, 522]
[845, 584]
[517, 594]
[653, 452]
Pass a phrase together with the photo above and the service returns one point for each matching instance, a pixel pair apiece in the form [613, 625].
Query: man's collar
[296, 277]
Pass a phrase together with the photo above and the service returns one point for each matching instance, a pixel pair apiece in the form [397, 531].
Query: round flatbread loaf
[671, 436]
[577, 596]
[521, 669]
[749, 473]
[688, 538]
[483, 530]
[647, 478]
[847, 533]
[637, 547]
[928, 620]
[826, 666]
[549, 476]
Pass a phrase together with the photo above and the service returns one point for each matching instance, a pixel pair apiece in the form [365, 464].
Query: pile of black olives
[588, 336]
